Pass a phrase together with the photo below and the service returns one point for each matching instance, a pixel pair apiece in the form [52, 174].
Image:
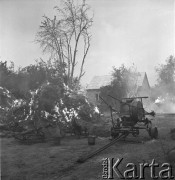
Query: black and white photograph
[87, 89]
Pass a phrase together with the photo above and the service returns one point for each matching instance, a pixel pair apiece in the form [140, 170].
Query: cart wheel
[153, 132]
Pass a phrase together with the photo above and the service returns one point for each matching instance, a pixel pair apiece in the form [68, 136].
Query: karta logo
[112, 170]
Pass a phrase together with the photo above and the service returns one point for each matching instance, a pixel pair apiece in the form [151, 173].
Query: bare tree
[67, 33]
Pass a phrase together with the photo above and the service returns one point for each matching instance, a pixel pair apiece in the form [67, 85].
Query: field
[47, 161]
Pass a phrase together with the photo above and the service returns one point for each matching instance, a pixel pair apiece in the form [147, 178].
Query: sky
[139, 32]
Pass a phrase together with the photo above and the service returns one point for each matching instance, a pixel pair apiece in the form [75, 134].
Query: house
[93, 89]
[143, 87]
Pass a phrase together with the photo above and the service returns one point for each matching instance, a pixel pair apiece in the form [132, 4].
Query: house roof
[140, 78]
[99, 81]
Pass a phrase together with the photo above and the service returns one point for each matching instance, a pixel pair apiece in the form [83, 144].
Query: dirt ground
[47, 161]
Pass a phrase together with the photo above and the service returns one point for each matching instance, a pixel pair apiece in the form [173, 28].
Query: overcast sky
[124, 31]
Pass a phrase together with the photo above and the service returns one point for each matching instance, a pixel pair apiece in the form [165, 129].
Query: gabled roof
[140, 78]
[99, 81]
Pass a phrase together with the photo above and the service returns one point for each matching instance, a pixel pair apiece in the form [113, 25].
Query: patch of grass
[47, 161]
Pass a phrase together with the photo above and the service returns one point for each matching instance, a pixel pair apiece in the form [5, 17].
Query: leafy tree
[166, 78]
[41, 72]
[166, 72]
[6, 73]
[124, 84]
[11, 80]
[67, 34]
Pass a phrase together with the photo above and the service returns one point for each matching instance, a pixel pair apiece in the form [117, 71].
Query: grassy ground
[48, 161]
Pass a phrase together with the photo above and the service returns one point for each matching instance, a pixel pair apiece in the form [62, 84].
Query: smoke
[165, 105]
[162, 105]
